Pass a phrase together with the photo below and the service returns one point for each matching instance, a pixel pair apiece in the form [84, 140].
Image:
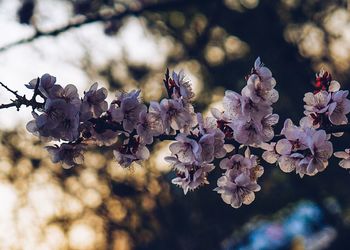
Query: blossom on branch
[68, 154]
[345, 156]
[247, 121]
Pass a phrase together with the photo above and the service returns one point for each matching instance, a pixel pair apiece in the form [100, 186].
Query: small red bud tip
[323, 81]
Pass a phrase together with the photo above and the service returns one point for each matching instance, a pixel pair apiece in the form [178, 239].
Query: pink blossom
[334, 86]
[232, 103]
[264, 74]
[185, 149]
[305, 149]
[60, 120]
[321, 150]
[68, 154]
[269, 155]
[69, 94]
[193, 176]
[259, 91]
[345, 156]
[254, 111]
[127, 109]
[339, 108]
[236, 162]
[148, 127]
[46, 82]
[289, 163]
[182, 87]
[236, 189]
[176, 115]
[316, 103]
[206, 143]
[296, 135]
[209, 126]
[131, 151]
[93, 104]
[267, 122]
[247, 132]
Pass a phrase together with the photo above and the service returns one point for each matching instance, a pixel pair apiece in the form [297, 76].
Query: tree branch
[80, 21]
[10, 90]
[22, 100]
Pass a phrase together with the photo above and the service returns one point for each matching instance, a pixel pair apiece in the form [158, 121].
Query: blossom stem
[166, 82]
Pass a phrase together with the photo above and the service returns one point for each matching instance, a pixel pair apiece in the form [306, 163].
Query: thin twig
[9, 105]
[10, 90]
[22, 100]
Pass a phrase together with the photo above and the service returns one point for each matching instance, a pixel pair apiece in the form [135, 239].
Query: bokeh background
[127, 44]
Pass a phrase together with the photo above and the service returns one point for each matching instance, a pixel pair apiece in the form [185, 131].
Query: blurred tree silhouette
[100, 205]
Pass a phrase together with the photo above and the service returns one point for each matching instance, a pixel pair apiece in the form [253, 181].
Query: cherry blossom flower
[206, 143]
[127, 109]
[339, 108]
[147, 128]
[209, 126]
[181, 87]
[247, 132]
[176, 115]
[305, 149]
[193, 176]
[69, 94]
[260, 91]
[317, 103]
[345, 156]
[60, 120]
[321, 150]
[223, 122]
[247, 121]
[267, 122]
[254, 111]
[295, 134]
[232, 104]
[46, 82]
[93, 104]
[131, 151]
[237, 162]
[264, 74]
[269, 155]
[236, 189]
[185, 149]
[68, 154]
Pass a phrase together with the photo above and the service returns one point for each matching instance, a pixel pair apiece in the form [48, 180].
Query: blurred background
[127, 44]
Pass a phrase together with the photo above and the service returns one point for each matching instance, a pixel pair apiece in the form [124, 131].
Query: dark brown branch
[8, 105]
[22, 100]
[75, 23]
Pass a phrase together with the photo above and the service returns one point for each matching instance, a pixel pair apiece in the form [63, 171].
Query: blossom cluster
[304, 149]
[307, 148]
[248, 117]
[226, 138]
[327, 105]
